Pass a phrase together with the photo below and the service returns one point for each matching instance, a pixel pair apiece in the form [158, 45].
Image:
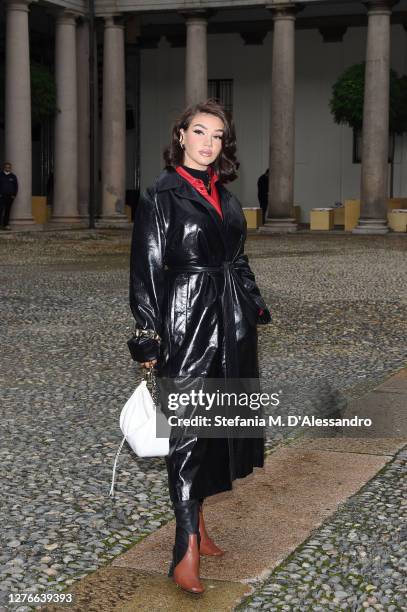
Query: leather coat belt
[227, 268]
[224, 268]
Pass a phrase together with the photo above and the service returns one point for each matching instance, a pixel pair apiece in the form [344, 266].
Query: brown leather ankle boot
[184, 568]
[207, 546]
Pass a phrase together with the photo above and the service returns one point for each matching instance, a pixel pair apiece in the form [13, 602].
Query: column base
[26, 223]
[68, 222]
[279, 226]
[114, 222]
[371, 226]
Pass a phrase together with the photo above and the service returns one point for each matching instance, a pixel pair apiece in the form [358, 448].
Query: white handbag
[138, 422]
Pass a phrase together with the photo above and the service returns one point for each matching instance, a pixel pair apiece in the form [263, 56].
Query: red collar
[196, 181]
[198, 184]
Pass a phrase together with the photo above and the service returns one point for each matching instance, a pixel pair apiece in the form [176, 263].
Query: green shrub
[346, 103]
[43, 93]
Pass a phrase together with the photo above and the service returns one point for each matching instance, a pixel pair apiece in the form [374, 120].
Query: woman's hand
[264, 316]
[149, 364]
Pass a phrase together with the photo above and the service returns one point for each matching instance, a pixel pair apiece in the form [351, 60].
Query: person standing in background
[8, 191]
[263, 192]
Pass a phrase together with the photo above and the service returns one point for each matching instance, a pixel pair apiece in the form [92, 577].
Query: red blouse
[213, 197]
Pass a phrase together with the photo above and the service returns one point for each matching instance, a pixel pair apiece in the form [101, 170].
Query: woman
[196, 306]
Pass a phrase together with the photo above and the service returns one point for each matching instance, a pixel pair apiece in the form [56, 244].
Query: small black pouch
[143, 349]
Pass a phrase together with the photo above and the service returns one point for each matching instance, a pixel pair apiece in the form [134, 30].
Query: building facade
[272, 63]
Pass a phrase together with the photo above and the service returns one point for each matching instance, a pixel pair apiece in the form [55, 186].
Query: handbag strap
[111, 492]
[151, 382]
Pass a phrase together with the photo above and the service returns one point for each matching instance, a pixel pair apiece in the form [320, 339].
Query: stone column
[282, 160]
[82, 55]
[196, 62]
[18, 109]
[65, 209]
[113, 125]
[375, 131]
[97, 138]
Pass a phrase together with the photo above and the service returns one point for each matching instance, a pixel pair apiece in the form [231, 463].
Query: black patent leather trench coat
[207, 322]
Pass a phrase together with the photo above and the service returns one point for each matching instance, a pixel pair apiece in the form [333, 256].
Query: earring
[181, 145]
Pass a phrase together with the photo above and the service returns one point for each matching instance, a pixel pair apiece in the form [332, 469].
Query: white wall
[161, 100]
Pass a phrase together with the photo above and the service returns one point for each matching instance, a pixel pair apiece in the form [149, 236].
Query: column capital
[115, 20]
[67, 17]
[283, 9]
[197, 15]
[379, 7]
[18, 5]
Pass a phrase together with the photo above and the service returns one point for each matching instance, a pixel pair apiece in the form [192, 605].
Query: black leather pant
[6, 202]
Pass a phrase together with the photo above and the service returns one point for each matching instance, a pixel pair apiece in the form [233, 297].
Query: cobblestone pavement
[339, 328]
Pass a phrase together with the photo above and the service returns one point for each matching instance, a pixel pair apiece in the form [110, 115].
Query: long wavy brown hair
[226, 164]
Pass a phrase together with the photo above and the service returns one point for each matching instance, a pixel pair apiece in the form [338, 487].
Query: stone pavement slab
[271, 513]
[267, 515]
[115, 589]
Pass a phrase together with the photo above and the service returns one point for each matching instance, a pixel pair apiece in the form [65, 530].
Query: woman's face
[202, 140]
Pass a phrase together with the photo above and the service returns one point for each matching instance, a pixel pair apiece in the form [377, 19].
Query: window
[222, 91]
